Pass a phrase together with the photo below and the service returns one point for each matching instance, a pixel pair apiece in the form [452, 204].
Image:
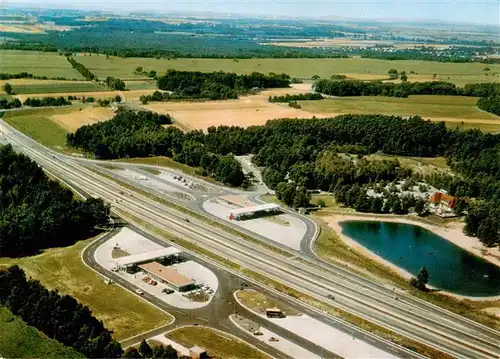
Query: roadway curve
[372, 301]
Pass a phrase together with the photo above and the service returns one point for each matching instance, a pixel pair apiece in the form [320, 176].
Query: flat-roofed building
[240, 212]
[168, 275]
[146, 256]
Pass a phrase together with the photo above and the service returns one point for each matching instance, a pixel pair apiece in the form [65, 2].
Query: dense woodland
[296, 97]
[217, 85]
[141, 134]
[59, 317]
[85, 72]
[307, 153]
[490, 104]
[38, 213]
[405, 89]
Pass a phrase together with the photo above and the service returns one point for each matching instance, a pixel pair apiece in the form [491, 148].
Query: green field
[5, 97]
[304, 68]
[446, 108]
[121, 311]
[37, 124]
[141, 85]
[58, 87]
[48, 64]
[218, 346]
[20, 340]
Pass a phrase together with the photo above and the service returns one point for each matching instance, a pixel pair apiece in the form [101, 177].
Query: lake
[411, 247]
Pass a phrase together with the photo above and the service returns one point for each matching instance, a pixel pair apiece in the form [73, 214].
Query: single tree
[403, 77]
[393, 74]
[423, 275]
[488, 232]
[8, 88]
[315, 77]
[138, 70]
[145, 350]
[170, 352]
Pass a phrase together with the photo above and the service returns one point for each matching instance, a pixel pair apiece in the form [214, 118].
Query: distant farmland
[459, 73]
[49, 64]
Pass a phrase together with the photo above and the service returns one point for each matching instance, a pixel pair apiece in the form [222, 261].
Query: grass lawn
[259, 302]
[121, 311]
[423, 165]
[48, 64]
[37, 124]
[304, 68]
[20, 340]
[69, 87]
[218, 346]
[457, 107]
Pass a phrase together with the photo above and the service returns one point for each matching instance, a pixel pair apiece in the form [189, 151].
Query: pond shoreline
[451, 233]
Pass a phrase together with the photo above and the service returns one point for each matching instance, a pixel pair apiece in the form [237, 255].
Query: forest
[296, 97]
[60, 317]
[217, 85]
[38, 213]
[308, 153]
[141, 134]
[490, 104]
[404, 89]
[46, 101]
[85, 72]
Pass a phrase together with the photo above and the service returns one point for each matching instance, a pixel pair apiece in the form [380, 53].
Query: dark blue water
[410, 247]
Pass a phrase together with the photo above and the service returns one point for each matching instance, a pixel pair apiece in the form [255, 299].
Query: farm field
[460, 74]
[452, 109]
[73, 120]
[62, 268]
[141, 85]
[48, 64]
[218, 346]
[37, 123]
[102, 94]
[20, 340]
[245, 111]
[59, 87]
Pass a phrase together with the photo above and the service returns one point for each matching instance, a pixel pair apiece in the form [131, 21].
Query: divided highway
[408, 316]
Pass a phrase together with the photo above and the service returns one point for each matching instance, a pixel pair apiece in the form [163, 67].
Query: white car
[138, 291]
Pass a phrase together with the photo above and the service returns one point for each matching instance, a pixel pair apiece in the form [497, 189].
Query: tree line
[405, 89]
[159, 96]
[218, 85]
[25, 75]
[157, 351]
[296, 97]
[60, 317]
[85, 72]
[46, 101]
[38, 213]
[6, 104]
[141, 134]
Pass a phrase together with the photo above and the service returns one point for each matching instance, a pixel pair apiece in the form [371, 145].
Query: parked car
[168, 291]
[139, 291]
[274, 339]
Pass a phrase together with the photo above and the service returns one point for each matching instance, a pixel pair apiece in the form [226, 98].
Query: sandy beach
[451, 232]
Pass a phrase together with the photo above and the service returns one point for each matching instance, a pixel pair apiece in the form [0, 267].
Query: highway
[407, 316]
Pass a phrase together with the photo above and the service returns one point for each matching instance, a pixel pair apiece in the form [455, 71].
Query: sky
[479, 11]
